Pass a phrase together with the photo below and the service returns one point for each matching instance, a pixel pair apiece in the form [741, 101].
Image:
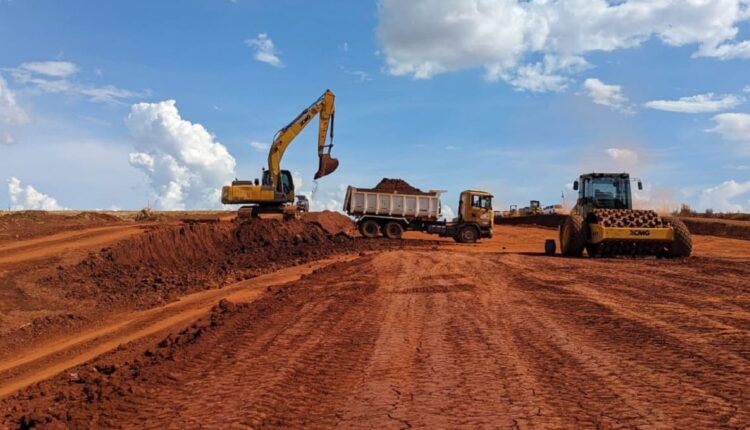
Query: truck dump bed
[422, 206]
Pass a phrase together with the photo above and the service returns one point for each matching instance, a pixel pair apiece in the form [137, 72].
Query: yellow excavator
[274, 193]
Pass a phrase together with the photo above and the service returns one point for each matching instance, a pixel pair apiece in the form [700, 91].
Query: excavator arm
[324, 107]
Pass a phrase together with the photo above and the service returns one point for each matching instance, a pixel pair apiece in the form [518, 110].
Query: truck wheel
[369, 229]
[393, 230]
[549, 247]
[467, 234]
[682, 246]
[572, 236]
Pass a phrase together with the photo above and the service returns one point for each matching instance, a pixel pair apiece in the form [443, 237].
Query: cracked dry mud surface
[441, 339]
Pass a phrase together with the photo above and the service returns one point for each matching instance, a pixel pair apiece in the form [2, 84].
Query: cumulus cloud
[732, 126]
[422, 38]
[606, 95]
[58, 69]
[265, 51]
[260, 146]
[624, 156]
[729, 196]
[10, 112]
[28, 198]
[701, 103]
[185, 164]
[746, 89]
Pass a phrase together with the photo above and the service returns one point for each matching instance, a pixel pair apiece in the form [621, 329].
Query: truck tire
[549, 247]
[393, 230]
[369, 228]
[682, 246]
[572, 236]
[467, 234]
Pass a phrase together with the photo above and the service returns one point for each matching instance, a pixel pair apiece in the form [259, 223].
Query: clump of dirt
[331, 222]
[173, 260]
[397, 186]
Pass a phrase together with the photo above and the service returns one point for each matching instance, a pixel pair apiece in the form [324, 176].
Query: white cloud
[362, 75]
[186, 165]
[29, 198]
[697, 104]
[10, 112]
[265, 51]
[422, 38]
[6, 138]
[58, 69]
[536, 78]
[729, 196]
[627, 157]
[260, 146]
[56, 77]
[448, 213]
[606, 95]
[746, 89]
[733, 126]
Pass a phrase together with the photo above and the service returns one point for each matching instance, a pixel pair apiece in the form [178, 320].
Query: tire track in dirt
[36, 364]
[56, 244]
[415, 338]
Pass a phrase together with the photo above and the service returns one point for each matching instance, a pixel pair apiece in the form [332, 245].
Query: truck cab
[475, 217]
[476, 207]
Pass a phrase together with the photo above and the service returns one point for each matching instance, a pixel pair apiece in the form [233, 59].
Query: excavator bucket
[327, 165]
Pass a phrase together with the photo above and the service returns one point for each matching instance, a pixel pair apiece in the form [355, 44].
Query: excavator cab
[285, 186]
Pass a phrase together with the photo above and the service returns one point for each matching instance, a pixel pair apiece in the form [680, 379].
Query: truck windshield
[610, 192]
[483, 202]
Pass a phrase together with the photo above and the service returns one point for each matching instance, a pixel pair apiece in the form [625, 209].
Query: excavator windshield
[608, 192]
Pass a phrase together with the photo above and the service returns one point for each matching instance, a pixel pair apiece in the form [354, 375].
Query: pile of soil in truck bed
[396, 186]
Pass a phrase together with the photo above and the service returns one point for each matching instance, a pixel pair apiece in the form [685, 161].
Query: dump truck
[604, 223]
[390, 214]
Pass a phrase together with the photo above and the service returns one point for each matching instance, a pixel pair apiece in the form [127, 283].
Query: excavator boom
[324, 107]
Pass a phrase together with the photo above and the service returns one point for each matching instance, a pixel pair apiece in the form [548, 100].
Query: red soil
[397, 186]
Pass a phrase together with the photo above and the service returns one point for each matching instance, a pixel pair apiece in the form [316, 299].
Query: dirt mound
[550, 221]
[147, 214]
[718, 227]
[396, 186]
[173, 260]
[331, 222]
[21, 225]
[96, 217]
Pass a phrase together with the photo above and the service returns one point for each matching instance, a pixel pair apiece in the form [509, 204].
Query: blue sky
[515, 98]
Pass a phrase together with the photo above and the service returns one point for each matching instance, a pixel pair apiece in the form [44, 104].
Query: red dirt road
[456, 336]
